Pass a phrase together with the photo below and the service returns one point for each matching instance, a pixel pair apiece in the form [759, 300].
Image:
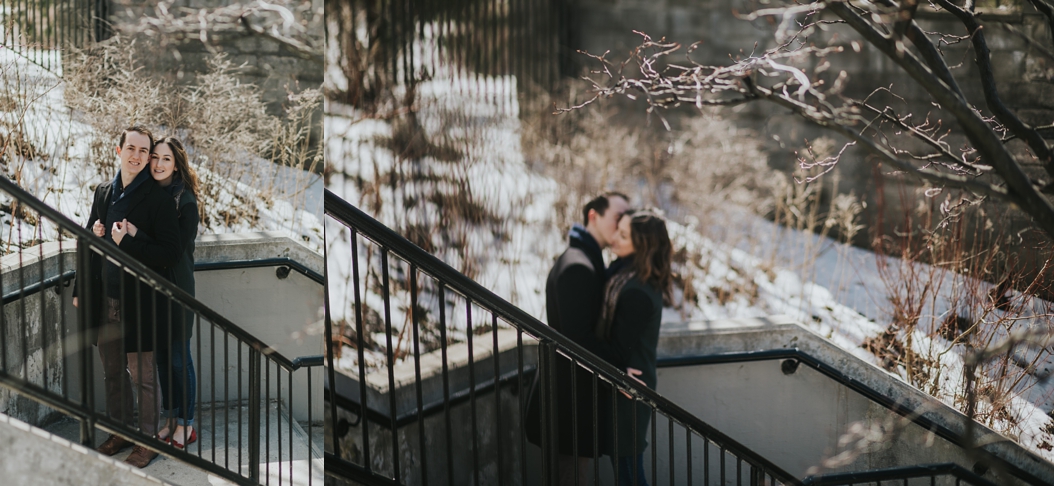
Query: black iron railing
[931, 474]
[793, 357]
[39, 29]
[239, 373]
[489, 438]
[387, 44]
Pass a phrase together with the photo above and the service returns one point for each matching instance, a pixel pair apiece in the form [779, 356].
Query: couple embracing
[150, 211]
[615, 312]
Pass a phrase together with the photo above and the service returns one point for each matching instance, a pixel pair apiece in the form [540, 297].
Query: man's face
[134, 154]
[607, 223]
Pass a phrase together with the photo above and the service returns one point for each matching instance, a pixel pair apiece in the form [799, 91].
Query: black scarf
[175, 189]
[120, 199]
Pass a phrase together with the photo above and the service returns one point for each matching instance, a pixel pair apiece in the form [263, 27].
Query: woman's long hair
[652, 254]
[183, 170]
[653, 251]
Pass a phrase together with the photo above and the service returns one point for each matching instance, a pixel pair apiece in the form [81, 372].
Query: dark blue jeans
[179, 384]
[624, 466]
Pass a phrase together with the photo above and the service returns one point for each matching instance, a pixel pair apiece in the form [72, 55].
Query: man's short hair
[600, 204]
[139, 129]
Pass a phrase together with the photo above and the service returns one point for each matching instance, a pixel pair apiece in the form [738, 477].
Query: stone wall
[274, 67]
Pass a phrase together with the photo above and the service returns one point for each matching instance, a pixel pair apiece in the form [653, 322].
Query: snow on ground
[61, 175]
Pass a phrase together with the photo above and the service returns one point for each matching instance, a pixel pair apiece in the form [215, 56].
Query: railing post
[550, 444]
[84, 291]
[254, 415]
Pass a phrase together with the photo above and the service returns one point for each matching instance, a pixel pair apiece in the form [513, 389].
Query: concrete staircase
[220, 442]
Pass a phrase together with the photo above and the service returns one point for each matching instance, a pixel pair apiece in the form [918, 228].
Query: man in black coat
[574, 293]
[126, 316]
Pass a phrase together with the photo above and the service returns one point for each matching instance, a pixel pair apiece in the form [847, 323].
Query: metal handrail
[894, 473]
[263, 262]
[855, 385]
[198, 267]
[352, 217]
[150, 276]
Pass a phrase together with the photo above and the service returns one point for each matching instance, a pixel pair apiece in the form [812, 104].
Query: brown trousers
[125, 374]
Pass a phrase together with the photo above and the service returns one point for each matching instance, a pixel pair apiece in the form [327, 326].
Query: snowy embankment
[59, 170]
[839, 292]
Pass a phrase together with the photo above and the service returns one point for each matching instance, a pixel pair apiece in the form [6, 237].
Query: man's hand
[120, 228]
[98, 228]
[132, 230]
[74, 302]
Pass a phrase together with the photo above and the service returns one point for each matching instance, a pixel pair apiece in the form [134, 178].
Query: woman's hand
[120, 228]
[132, 230]
[633, 373]
[98, 228]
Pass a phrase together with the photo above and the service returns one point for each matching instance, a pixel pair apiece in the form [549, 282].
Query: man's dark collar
[581, 238]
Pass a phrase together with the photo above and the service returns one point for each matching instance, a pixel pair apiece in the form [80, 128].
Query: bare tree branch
[1048, 11]
[991, 94]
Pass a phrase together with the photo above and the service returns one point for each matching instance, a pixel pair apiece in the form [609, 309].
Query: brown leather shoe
[113, 445]
[140, 457]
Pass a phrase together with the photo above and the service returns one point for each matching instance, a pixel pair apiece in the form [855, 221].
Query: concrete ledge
[226, 247]
[687, 339]
[35, 457]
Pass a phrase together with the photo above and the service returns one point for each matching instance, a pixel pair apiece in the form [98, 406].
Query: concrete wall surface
[797, 420]
[284, 313]
[33, 457]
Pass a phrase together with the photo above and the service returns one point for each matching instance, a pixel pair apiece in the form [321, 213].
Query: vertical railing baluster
[84, 307]
[212, 386]
[310, 433]
[549, 426]
[63, 330]
[596, 427]
[574, 414]
[688, 440]
[386, 298]
[722, 457]
[278, 418]
[240, 445]
[670, 463]
[497, 395]
[521, 397]
[226, 397]
[446, 384]
[706, 461]
[363, 397]
[289, 411]
[417, 374]
[267, 418]
[469, 331]
[42, 296]
[254, 414]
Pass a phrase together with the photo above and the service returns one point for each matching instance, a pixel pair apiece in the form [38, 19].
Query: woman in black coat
[169, 167]
[629, 322]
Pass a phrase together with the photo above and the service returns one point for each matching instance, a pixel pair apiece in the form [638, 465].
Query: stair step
[225, 429]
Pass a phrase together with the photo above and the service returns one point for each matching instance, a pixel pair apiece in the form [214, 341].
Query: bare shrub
[223, 122]
[943, 312]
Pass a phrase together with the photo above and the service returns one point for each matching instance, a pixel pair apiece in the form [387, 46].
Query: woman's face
[622, 243]
[162, 164]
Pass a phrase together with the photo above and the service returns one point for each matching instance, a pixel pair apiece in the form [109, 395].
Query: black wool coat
[633, 343]
[156, 245]
[573, 294]
[183, 270]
